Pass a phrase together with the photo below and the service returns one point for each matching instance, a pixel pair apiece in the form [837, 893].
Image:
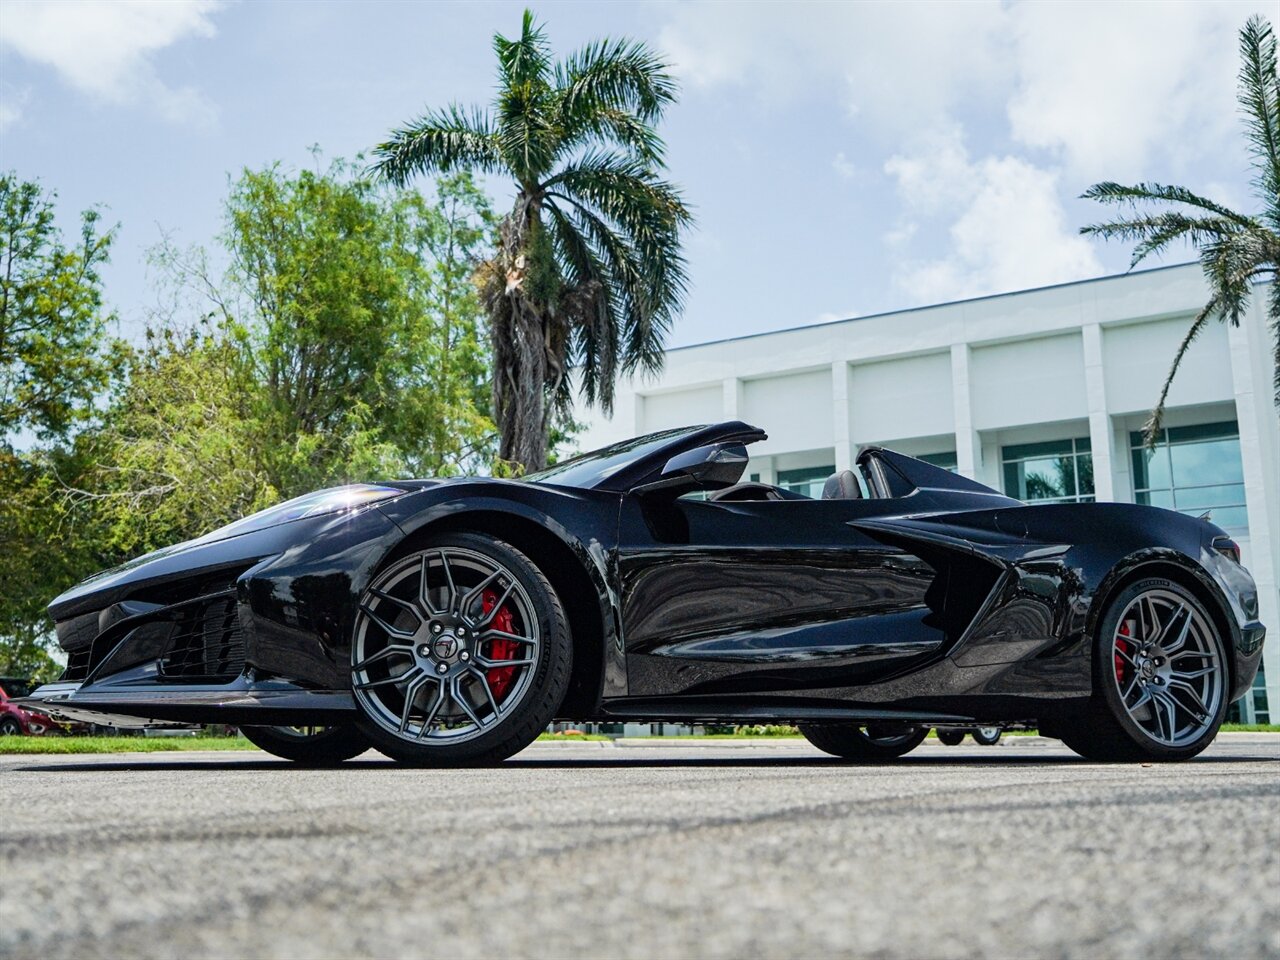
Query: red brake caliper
[500, 678]
[1122, 646]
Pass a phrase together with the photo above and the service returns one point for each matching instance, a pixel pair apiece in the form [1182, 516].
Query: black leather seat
[842, 486]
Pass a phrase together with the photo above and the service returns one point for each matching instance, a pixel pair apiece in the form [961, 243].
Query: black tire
[950, 738]
[864, 743]
[323, 747]
[537, 696]
[9, 727]
[1105, 730]
[986, 736]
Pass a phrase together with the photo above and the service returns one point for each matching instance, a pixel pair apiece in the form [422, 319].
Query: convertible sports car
[449, 621]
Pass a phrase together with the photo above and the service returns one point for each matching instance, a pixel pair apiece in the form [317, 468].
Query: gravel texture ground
[665, 851]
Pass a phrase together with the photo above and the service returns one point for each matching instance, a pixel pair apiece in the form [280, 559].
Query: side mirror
[712, 467]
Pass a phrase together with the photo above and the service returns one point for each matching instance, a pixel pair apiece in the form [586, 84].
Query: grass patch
[1251, 728]
[30, 745]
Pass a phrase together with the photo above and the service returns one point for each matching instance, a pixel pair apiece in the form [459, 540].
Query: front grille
[206, 643]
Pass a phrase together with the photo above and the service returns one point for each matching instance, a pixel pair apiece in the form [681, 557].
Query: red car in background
[14, 720]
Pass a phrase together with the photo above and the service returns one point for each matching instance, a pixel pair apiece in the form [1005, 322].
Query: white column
[732, 398]
[968, 449]
[1259, 430]
[842, 442]
[1100, 432]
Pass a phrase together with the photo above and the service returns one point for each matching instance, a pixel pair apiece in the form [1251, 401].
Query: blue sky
[842, 159]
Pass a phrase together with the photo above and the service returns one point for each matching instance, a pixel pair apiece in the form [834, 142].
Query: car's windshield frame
[591, 469]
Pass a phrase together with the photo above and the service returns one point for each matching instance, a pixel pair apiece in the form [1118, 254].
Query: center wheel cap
[446, 647]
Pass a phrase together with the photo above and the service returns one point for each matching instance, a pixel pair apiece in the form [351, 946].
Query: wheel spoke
[1162, 699]
[392, 650]
[1181, 641]
[495, 634]
[1123, 654]
[1190, 699]
[488, 691]
[410, 695]
[390, 630]
[455, 690]
[402, 604]
[408, 675]
[487, 618]
[435, 708]
[487, 664]
[469, 597]
[1185, 675]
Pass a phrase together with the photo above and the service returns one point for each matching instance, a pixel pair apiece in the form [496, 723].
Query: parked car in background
[16, 721]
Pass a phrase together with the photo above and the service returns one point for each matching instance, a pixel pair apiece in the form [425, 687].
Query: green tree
[358, 348]
[53, 355]
[588, 269]
[1236, 250]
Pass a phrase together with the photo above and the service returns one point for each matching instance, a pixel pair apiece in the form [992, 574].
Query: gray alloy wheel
[1160, 678]
[869, 743]
[9, 727]
[460, 653]
[986, 736]
[310, 745]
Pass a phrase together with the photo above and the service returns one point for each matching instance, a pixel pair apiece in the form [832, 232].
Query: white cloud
[13, 101]
[1004, 218]
[844, 166]
[1115, 88]
[105, 48]
[892, 65]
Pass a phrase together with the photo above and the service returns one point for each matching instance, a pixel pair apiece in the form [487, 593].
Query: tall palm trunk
[519, 351]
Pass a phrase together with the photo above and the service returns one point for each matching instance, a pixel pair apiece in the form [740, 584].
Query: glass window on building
[807, 481]
[1193, 470]
[1058, 471]
[947, 461]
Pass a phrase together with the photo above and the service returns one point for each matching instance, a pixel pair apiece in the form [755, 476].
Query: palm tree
[1236, 249]
[588, 270]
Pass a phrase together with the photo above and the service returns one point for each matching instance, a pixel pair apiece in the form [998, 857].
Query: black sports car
[449, 621]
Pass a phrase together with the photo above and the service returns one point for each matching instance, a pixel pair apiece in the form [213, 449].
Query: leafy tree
[588, 269]
[1236, 249]
[53, 361]
[358, 347]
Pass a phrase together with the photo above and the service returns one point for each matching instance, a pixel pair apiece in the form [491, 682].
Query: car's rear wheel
[318, 746]
[1160, 678]
[950, 738]
[461, 653]
[869, 743]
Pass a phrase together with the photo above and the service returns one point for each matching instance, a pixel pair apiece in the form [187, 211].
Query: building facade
[1039, 393]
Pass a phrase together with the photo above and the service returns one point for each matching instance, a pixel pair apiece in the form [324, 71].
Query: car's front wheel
[870, 743]
[1159, 675]
[461, 653]
[316, 746]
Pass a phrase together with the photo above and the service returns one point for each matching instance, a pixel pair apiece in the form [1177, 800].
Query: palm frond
[1151, 429]
[1108, 192]
[527, 60]
[614, 74]
[440, 140]
[1155, 233]
[607, 127]
[1259, 95]
[591, 310]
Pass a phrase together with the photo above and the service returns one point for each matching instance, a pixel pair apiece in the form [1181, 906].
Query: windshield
[589, 469]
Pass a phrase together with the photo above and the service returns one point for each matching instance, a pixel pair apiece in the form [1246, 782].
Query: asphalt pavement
[656, 851]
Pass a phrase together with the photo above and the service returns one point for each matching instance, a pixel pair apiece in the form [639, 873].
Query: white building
[1039, 393]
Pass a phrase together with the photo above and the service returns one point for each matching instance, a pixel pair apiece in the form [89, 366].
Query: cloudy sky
[843, 159]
